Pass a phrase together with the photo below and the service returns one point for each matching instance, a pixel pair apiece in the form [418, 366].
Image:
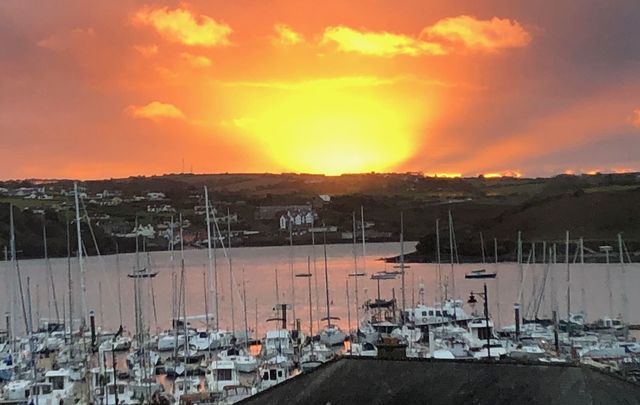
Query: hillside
[596, 207]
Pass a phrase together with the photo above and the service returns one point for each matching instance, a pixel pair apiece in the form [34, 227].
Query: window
[272, 375]
[484, 333]
[438, 313]
[279, 373]
[265, 375]
[224, 375]
[57, 382]
[424, 313]
[430, 312]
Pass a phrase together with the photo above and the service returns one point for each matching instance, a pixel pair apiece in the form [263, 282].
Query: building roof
[446, 382]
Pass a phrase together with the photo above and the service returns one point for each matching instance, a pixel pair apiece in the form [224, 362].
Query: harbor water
[596, 289]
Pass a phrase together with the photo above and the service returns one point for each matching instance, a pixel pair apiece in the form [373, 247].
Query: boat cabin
[480, 330]
[60, 380]
[277, 341]
[222, 374]
[272, 375]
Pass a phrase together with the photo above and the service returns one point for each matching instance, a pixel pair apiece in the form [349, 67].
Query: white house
[156, 196]
[308, 218]
[160, 209]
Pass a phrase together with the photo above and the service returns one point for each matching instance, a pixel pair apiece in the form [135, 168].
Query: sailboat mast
[315, 272]
[624, 280]
[277, 288]
[348, 309]
[183, 291]
[244, 305]
[566, 259]
[583, 295]
[233, 317]
[119, 282]
[439, 260]
[495, 256]
[310, 303]
[326, 274]
[16, 265]
[404, 302]
[364, 264]
[49, 269]
[453, 280]
[293, 284]
[520, 272]
[70, 285]
[83, 287]
[355, 270]
[212, 288]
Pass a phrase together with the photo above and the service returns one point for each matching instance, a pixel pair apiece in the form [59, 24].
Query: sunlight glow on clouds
[635, 118]
[62, 42]
[444, 37]
[155, 111]
[180, 25]
[472, 33]
[445, 88]
[378, 43]
[196, 61]
[146, 50]
[285, 35]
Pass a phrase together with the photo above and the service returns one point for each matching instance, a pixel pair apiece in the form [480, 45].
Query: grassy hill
[596, 207]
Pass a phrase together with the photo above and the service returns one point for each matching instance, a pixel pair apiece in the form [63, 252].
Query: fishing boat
[364, 349]
[407, 333]
[170, 341]
[120, 344]
[245, 363]
[42, 394]
[271, 375]
[331, 335]
[277, 341]
[185, 386]
[222, 373]
[61, 384]
[16, 390]
[122, 391]
[314, 354]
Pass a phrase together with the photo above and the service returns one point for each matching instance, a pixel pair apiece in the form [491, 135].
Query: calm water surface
[590, 289]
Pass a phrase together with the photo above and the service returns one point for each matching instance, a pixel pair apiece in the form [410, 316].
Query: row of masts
[211, 279]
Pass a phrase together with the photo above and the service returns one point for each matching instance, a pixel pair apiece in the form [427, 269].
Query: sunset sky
[99, 89]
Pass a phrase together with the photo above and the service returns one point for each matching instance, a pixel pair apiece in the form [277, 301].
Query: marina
[217, 325]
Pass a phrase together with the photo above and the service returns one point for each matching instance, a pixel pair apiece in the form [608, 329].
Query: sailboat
[245, 362]
[331, 335]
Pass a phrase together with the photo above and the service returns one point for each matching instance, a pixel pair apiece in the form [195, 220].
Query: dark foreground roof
[375, 381]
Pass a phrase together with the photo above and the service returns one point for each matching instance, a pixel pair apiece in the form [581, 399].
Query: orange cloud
[196, 61]
[285, 35]
[378, 43]
[155, 111]
[506, 173]
[146, 50]
[62, 42]
[471, 33]
[635, 118]
[182, 26]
